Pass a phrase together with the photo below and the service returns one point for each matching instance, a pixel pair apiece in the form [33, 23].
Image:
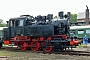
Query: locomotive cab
[15, 27]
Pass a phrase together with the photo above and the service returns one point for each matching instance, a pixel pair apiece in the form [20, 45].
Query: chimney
[68, 14]
[87, 15]
[60, 14]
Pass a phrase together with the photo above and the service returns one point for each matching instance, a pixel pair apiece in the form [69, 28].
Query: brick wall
[80, 20]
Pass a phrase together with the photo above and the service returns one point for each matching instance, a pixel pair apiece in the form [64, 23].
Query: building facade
[83, 18]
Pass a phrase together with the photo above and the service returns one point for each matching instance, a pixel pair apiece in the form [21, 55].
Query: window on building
[88, 31]
[80, 32]
[83, 21]
[72, 31]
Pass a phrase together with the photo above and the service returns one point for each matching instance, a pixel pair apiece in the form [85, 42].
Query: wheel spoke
[23, 45]
[35, 46]
[48, 49]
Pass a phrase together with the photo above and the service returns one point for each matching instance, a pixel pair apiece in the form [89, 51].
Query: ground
[8, 53]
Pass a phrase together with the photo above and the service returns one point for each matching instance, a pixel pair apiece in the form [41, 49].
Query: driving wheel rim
[23, 45]
[49, 49]
[35, 46]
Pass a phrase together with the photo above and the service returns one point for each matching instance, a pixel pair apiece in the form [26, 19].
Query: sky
[15, 8]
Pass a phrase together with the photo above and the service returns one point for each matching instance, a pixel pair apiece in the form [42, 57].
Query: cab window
[12, 23]
[21, 22]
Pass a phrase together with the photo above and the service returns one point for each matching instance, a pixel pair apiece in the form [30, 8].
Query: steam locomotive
[40, 32]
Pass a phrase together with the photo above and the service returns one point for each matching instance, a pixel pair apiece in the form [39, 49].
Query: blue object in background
[85, 40]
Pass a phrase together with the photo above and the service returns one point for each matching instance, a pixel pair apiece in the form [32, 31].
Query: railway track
[68, 52]
[3, 57]
[77, 53]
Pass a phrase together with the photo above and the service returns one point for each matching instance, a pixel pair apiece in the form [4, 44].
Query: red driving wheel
[48, 49]
[23, 45]
[35, 46]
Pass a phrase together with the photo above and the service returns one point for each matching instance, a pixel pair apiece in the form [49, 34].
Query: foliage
[55, 17]
[73, 18]
[2, 24]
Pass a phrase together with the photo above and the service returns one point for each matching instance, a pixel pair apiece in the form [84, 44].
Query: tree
[73, 18]
[55, 17]
[2, 24]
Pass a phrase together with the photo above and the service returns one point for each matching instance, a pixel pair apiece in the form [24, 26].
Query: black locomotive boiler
[40, 32]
